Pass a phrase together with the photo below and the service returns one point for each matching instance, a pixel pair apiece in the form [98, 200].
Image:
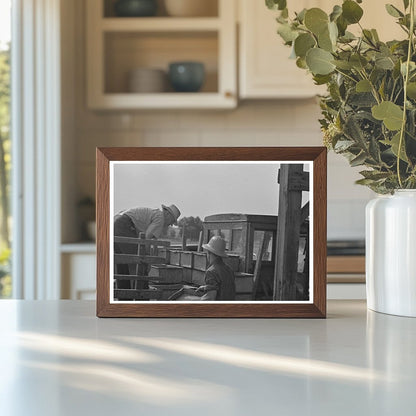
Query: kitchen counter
[57, 358]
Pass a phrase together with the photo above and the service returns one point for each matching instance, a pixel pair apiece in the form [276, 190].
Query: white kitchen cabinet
[376, 17]
[117, 45]
[78, 262]
[265, 70]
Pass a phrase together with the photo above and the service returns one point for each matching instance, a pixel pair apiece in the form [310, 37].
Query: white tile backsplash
[346, 219]
[258, 123]
[339, 172]
[215, 120]
[171, 138]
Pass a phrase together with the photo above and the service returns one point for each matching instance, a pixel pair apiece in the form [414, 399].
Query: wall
[254, 123]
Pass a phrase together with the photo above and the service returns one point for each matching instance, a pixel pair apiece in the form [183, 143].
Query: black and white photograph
[190, 231]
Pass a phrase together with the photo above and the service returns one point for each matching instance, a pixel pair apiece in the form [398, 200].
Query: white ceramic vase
[391, 253]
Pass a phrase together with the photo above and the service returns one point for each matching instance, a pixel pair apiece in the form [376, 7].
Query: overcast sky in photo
[199, 189]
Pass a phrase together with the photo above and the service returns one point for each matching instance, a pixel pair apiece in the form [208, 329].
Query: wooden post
[141, 268]
[201, 238]
[183, 238]
[250, 248]
[264, 242]
[292, 181]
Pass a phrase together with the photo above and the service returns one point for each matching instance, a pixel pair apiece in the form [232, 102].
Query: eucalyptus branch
[406, 80]
[369, 40]
[364, 61]
[373, 88]
[398, 95]
[404, 28]
[346, 75]
[392, 91]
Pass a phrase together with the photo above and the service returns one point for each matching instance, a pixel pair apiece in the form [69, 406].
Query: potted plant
[368, 116]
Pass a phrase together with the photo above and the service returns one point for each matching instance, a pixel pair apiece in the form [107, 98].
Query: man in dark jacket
[219, 278]
[132, 222]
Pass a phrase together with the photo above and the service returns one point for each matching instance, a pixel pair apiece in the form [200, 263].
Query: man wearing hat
[219, 278]
[132, 222]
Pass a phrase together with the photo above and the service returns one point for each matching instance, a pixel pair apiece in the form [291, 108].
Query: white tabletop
[57, 358]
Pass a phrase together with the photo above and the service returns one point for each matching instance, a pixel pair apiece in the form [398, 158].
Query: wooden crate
[243, 283]
[187, 259]
[175, 257]
[165, 253]
[243, 296]
[166, 273]
[133, 294]
[233, 261]
[200, 261]
[187, 275]
[166, 289]
[198, 277]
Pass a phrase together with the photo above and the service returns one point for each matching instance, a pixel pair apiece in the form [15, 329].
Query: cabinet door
[376, 17]
[78, 276]
[266, 71]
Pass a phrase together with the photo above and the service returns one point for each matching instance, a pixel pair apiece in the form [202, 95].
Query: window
[268, 253]
[5, 159]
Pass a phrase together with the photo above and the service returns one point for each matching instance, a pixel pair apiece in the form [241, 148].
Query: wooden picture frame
[110, 301]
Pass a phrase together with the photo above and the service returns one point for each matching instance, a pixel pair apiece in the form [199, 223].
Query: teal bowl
[135, 8]
[186, 76]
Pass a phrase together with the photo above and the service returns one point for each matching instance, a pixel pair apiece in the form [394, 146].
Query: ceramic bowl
[191, 8]
[147, 80]
[135, 8]
[186, 76]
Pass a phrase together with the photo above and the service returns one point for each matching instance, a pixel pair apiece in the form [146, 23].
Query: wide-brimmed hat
[174, 211]
[216, 246]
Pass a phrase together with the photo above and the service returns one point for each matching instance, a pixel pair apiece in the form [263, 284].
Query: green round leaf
[384, 62]
[344, 65]
[391, 114]
[351, 11]
[393, 11]
[348, 37]
[276, 4]
[395, 144]
[301, 63]
[363, 86]
[411, 90]
[327, 39]
[325, 42]
[319, 61]
[342, 25]
[322, 79]
[336, 12]
[358, 61]
[303, 43]
[316, 20]
[333, 32]
[301, 15]
[287, 33]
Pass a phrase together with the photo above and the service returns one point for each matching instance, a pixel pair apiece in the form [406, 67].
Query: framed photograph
[211, 232]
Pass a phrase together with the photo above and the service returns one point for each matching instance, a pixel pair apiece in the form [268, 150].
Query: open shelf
[158, 101]
[119, 45]
[160, 24]
[127, 51]
[87, 247]
[210, 7]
